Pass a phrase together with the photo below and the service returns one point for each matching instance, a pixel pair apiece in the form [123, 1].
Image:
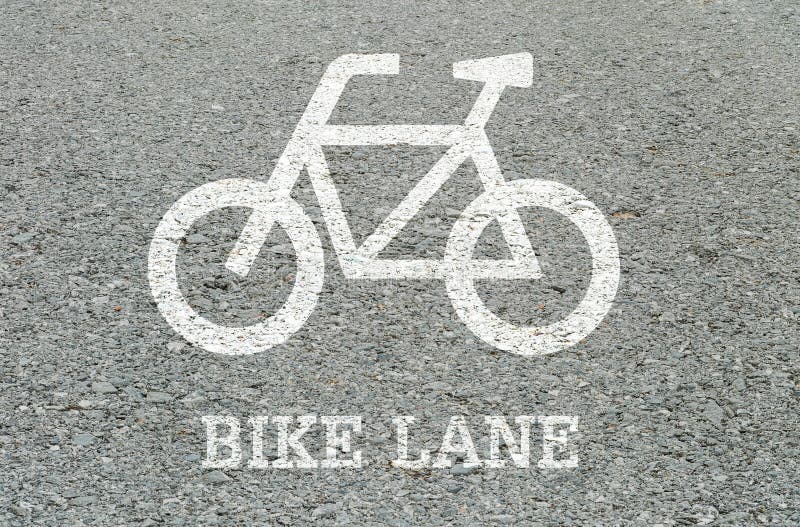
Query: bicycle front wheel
[269, 208]
[532, 340]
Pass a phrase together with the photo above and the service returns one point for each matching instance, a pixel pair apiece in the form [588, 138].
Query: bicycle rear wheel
[269, 208]
[532, 340]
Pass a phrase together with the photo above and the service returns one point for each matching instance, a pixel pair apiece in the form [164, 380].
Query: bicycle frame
[271, 203]
[467, 141]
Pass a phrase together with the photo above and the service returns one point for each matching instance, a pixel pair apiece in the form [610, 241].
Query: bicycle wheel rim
[533, 340]
[162, 272]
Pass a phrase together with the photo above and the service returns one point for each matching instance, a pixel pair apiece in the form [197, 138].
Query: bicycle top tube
[340, 135]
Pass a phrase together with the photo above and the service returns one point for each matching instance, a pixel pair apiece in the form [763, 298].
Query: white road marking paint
[270, 203]
[224, 449]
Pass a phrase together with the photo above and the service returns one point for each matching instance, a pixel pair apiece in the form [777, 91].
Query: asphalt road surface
[678, 119]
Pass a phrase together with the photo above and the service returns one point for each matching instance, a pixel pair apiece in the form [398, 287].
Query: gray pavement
[679, 119]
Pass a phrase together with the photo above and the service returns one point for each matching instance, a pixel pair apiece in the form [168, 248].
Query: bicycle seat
[510, 70]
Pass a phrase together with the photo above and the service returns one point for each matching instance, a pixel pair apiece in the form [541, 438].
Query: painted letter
[519, 454]
[550, 439]
[214, 441]
[339, 441]
[401, 423]
[286, 440]
[465, 445]
[258, 422]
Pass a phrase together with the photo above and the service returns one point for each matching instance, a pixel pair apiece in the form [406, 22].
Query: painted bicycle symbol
[271, 204]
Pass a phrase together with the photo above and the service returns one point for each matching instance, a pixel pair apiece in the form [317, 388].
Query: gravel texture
[679, 119]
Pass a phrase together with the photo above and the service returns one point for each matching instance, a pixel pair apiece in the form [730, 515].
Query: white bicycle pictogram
[271, 203]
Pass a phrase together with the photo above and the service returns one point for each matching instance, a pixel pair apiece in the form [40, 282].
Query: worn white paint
[401, 460]
[271, 204]
[216, 442]
[223, 448]
[518, 450]
[462, 445]
[555, 435]
[338, 439]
